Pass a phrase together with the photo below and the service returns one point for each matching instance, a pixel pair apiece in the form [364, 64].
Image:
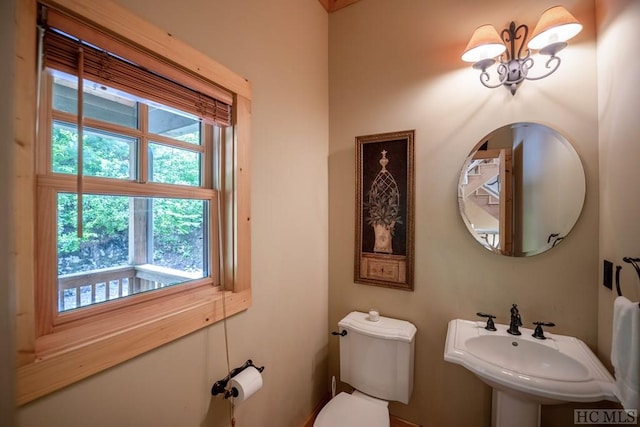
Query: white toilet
[376, 358]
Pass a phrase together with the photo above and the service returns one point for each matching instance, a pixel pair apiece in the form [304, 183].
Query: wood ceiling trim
[333, 5]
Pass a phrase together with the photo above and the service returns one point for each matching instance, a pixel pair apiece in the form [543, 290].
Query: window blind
[64, 37]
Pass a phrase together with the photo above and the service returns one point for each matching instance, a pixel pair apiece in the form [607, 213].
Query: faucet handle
[538, 332]
[490, 325]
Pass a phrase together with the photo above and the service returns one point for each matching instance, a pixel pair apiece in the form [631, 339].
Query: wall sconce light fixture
[555, 27]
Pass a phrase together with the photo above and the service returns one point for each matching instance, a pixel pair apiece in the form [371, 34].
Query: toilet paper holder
[221, 385]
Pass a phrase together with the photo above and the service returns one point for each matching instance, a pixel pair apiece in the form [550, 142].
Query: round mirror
[521, 189]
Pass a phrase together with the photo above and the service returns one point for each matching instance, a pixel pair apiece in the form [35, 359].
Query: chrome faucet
[516, 321]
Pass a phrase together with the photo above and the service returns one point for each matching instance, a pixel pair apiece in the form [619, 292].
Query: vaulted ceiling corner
[333, 5]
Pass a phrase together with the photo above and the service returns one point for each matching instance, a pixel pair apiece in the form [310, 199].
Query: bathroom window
[142, 196]
[126, 243]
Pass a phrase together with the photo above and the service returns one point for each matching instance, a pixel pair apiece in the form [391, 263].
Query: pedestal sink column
[509, 411]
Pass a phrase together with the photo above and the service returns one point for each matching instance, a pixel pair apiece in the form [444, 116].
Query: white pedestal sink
[526, 372]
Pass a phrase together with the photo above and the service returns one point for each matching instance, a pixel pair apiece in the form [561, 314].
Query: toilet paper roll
[246, 382]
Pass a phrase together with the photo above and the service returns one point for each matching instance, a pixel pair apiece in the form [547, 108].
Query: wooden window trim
[71, 353]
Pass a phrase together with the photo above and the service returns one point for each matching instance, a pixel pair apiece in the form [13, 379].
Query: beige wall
[396, 66]
[281, 47]
[619, 136]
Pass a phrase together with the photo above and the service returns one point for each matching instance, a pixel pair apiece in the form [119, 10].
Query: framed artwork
[385, 210]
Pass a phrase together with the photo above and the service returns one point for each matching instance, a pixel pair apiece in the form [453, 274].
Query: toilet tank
[376, 357]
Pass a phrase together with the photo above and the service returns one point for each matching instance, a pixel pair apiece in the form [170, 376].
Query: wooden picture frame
[384, 246]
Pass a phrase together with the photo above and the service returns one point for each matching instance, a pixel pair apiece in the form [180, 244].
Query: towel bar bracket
[634, 262]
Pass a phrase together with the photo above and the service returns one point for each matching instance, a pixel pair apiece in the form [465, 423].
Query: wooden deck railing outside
[90, 287]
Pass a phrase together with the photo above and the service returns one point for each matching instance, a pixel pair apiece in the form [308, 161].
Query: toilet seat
[353, 410]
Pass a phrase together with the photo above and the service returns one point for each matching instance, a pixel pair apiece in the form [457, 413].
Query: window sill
[68, 356]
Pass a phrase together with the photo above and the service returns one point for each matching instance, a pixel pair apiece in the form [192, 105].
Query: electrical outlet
[607, 279]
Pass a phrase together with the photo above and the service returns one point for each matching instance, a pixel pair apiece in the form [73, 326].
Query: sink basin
[556, 370]
[526, 357]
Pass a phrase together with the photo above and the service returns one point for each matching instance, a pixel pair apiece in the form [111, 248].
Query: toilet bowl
[376, 359]
[353, 410]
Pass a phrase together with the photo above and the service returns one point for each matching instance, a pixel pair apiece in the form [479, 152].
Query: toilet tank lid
[385, 327]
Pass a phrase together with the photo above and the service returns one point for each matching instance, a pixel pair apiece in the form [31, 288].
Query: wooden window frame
[51, 358]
